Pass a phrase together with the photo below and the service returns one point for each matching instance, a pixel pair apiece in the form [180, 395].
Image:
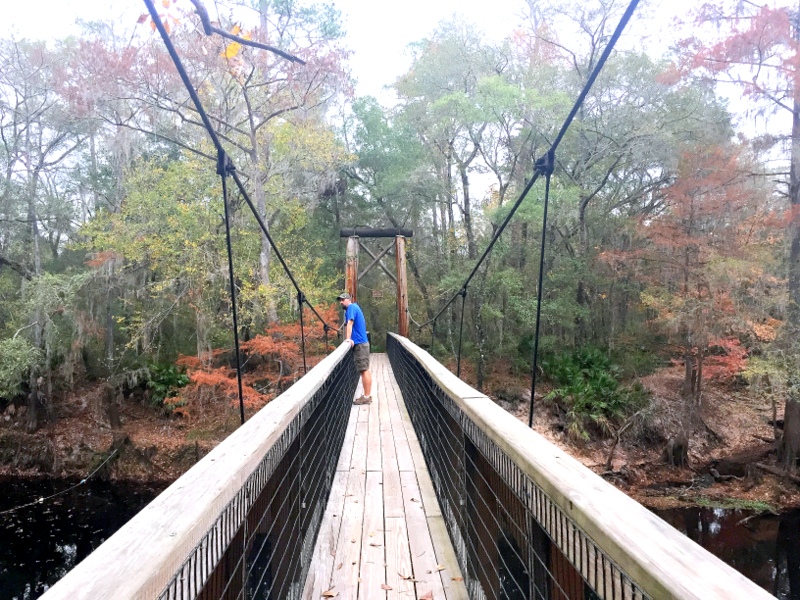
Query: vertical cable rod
[461, 330]
[300, 301]
[223, 166]
[547, 165]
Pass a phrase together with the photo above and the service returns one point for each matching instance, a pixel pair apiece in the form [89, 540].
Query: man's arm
[349, 334]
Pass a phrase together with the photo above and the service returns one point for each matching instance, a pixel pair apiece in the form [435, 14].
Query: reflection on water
[765, 548]
[40, 543]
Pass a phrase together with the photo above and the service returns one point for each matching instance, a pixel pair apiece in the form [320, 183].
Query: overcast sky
[378, 31]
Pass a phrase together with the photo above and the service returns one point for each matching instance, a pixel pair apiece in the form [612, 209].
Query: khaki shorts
[361, 356]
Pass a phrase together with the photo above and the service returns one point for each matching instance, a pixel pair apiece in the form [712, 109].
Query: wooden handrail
[664, 563]
[140, 559]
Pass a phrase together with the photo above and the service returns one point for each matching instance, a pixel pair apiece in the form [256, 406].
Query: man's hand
[352, 343]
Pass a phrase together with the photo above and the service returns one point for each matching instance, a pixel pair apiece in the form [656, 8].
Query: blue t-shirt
[353, 313]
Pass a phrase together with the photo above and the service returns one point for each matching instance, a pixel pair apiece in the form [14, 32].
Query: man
[356, 335]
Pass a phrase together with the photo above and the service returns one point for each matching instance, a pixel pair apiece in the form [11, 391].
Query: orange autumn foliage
[271, 361]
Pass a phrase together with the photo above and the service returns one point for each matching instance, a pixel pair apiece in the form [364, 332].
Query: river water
[765, 547]
[40, 543]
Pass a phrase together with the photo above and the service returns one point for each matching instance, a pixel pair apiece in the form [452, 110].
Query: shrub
[589, 391]
[164, 382]
[17, 356]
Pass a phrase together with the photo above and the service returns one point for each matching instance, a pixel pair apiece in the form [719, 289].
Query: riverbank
[148, 446]
[731, 460]
[729, 457]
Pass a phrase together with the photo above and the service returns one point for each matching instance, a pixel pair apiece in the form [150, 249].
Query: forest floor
[730, 436]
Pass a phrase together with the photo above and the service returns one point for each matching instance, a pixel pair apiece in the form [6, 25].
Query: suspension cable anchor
[546, 163]
[224, 164]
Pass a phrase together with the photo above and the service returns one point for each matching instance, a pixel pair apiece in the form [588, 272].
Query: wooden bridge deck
[383, 536]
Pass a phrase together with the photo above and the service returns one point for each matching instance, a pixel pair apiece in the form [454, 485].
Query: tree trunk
[689, 372]
[791, 430]
[472, 249]
[794, 224]
[790, 444]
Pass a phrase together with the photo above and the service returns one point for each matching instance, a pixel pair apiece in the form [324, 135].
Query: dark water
[765, 548]
[39, 544]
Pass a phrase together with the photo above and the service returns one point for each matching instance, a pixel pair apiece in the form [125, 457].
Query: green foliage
[164, 382]
[17, 357]
[588, 388]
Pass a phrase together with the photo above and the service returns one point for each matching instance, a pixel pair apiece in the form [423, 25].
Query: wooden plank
[392, 491]
[393, 505]
[405, 460]
[373, 544]
[345, 574]
[423, 557]
[399, 572]
[452, 580]
[427, 493]
[349, 439]
[322, 561]
[374, 444]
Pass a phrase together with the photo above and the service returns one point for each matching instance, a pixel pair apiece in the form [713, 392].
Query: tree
[39, 138]
[250, 94]
[701, 256]
[757, 49]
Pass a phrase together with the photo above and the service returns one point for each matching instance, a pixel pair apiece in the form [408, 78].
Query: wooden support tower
[351, 268]
[402, 286]
[352, 275]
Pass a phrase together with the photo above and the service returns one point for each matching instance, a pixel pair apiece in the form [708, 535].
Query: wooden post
[351, 269]
[402, 286]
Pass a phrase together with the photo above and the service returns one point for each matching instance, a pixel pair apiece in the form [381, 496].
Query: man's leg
[366, 381]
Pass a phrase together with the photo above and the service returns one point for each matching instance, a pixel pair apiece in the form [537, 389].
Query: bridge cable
[547, 167]
[463, 294]
[231, 171]
[225, 166]
[43, 499]
[300, 299]
[547, 159]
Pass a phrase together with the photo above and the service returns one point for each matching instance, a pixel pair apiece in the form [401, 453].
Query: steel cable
[224, 160]
[541, 168]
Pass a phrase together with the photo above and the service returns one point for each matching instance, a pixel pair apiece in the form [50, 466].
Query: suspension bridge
[430, 492]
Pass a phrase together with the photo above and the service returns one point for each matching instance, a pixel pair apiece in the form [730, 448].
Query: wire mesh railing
[242, 523]
[529, 522]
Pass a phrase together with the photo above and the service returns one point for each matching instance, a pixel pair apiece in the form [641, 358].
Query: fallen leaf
[440, 567]
[375, 545]
[428, 596]
[340, 566]
[414, 500]
[330, 594]
[406, 577]
[457, 578]
[385, 587]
